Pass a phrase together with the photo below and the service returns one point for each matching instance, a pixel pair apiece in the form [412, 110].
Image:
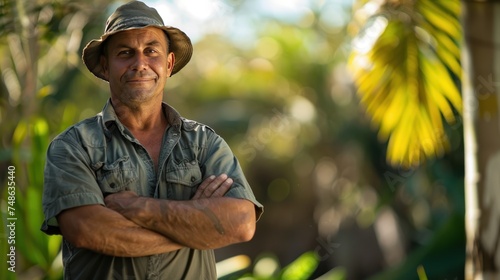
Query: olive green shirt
[99, 156]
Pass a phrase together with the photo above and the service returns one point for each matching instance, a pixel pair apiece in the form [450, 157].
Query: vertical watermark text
[11, 218]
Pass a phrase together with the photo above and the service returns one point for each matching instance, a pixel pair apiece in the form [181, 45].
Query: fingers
[206, 182]
[222, 188]
[119, 199]
[213, 186]
[203, 186]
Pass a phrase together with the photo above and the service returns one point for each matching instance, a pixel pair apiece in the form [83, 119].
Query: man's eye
[124, 52]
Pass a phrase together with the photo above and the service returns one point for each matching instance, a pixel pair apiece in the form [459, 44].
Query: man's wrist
[143, 209]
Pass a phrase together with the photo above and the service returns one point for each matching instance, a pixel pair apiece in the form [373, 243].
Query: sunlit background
[272, 78]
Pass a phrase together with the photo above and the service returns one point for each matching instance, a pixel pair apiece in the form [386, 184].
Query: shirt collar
[109, 117]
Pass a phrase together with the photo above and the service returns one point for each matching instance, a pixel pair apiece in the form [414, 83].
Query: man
[138, 192]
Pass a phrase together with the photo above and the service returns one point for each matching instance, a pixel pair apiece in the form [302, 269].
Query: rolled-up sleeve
[69, 181]
[220, 159]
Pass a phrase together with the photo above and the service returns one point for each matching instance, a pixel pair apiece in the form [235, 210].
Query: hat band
[132, 23]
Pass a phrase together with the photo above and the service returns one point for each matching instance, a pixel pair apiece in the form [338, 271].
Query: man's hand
[213, 187]
[121, 201]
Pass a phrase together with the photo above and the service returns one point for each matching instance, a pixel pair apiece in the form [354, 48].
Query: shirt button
[193, 179]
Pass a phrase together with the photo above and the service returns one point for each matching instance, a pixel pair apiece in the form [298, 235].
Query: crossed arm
[133, 226]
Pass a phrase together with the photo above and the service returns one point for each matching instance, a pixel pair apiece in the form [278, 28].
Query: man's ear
[170, 63]
[104, 67]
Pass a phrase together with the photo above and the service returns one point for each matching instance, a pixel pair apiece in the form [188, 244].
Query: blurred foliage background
[272, 78]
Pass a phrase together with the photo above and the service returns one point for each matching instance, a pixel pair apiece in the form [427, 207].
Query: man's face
[137, 64]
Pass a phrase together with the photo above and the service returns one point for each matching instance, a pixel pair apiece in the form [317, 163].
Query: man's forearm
[111, 234]
[206, 223]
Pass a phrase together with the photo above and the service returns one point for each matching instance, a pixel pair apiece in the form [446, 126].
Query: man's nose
[140, 62]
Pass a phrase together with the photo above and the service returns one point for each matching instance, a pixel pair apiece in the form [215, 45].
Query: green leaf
[302, 268]
[443, 251]
[439, 19]
[404, 78]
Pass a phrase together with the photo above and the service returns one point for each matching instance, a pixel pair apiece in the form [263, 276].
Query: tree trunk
[481, 61]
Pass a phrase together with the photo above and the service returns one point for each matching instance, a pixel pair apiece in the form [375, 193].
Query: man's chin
[136, 99]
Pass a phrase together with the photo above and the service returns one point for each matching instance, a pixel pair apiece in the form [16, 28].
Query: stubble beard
[134, 95]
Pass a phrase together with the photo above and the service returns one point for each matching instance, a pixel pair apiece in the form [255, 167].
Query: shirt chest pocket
[116, 176]
[183, 181]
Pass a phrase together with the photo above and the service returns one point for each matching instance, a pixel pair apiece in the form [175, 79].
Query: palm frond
[405, 62]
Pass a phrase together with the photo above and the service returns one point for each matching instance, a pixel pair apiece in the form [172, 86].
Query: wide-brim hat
[136, 15]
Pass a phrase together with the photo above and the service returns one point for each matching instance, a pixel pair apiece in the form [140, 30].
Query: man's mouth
[142, 80]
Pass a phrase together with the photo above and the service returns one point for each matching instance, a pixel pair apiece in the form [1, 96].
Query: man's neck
[143, 118]
[147, 124]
